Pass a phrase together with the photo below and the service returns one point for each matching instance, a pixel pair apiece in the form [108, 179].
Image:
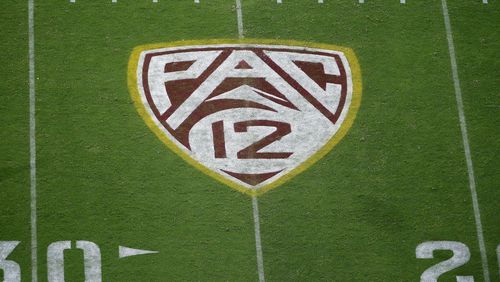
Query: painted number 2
[461, 256]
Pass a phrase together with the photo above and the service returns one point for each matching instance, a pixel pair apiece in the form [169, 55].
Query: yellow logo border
[348, 121]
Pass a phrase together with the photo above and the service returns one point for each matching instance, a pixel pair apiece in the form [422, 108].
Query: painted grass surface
[396, 180]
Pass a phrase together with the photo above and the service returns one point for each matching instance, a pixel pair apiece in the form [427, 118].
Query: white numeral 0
[461, 256]
[11, 270]
[91, 259]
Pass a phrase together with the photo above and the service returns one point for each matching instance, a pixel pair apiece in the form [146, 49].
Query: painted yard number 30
[92, 260]
[55, 261]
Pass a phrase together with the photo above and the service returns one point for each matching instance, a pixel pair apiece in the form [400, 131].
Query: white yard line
[465, 140]
[258, 245]
[498, 258]
[239, 16]
[255, 202]
[32, 100]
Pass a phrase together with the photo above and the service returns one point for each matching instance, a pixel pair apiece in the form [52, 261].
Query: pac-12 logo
[251, 115]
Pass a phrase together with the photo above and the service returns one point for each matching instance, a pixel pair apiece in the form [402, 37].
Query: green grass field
[399, 177]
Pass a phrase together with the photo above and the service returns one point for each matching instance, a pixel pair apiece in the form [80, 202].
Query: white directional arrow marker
[129, 252]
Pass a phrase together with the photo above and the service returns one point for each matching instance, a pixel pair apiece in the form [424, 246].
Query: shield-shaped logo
[251, 114]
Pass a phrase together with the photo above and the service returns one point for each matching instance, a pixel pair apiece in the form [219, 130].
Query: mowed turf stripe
[465, 140]
[14, 143]
[397, 179]
[475, 35]
[103, 175]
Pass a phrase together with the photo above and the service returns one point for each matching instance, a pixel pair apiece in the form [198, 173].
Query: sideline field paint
[465, 140]
[32, 111]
